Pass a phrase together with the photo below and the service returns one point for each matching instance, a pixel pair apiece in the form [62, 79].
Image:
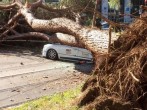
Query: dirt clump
[109, 103]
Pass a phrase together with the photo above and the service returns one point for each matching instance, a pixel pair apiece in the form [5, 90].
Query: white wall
[127, 11]
[104, 8]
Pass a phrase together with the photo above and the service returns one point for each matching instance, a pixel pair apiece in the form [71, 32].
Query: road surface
[25, 76]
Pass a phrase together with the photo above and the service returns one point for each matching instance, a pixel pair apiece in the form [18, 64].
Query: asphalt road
[25, 76]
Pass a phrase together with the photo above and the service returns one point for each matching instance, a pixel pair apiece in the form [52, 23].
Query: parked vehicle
[57, 51]
[104, 26]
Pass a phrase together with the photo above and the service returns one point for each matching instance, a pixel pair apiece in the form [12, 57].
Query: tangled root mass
[126, 76]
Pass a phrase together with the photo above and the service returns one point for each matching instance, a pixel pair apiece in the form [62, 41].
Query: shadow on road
[17, 50]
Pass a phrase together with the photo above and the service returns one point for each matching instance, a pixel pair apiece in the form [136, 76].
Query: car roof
[104, 22]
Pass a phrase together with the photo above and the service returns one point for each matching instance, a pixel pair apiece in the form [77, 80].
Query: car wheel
[52, 54]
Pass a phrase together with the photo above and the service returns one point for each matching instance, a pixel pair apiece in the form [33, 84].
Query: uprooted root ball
[126, 77]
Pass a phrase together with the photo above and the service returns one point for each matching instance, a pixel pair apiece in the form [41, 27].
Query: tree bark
[93, 39]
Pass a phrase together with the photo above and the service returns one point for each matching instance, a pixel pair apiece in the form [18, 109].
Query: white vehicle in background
[57, 51]
[104, 26]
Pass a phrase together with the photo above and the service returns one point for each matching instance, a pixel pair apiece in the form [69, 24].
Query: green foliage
[89, 21]
[59, 101]
[75, 3]
[114, 4]
[6, 1]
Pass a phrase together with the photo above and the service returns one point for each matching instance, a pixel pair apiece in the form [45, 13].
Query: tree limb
[36, 4]
[143, 7]
[56, 38]
[65, 39]
[8, 30]
[14, 18]
[30, 34]
[2, 7]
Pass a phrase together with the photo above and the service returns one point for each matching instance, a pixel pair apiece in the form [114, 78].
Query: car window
[105, 26]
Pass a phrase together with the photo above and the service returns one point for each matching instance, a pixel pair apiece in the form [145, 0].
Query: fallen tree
[122, 80]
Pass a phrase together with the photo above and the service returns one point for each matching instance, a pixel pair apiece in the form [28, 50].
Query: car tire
[52, 54]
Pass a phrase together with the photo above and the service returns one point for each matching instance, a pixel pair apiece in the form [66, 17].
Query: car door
[67, 51]
[75, 52]
[84, 53]
[78, 53]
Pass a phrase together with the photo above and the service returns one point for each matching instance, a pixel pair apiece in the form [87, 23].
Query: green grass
[59, 101]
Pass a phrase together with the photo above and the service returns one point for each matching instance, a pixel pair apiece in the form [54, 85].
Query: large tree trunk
[93, 39]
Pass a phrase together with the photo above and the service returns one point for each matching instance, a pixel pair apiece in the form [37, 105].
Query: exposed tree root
[92, 81]
[89, 96]
[126, 78]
